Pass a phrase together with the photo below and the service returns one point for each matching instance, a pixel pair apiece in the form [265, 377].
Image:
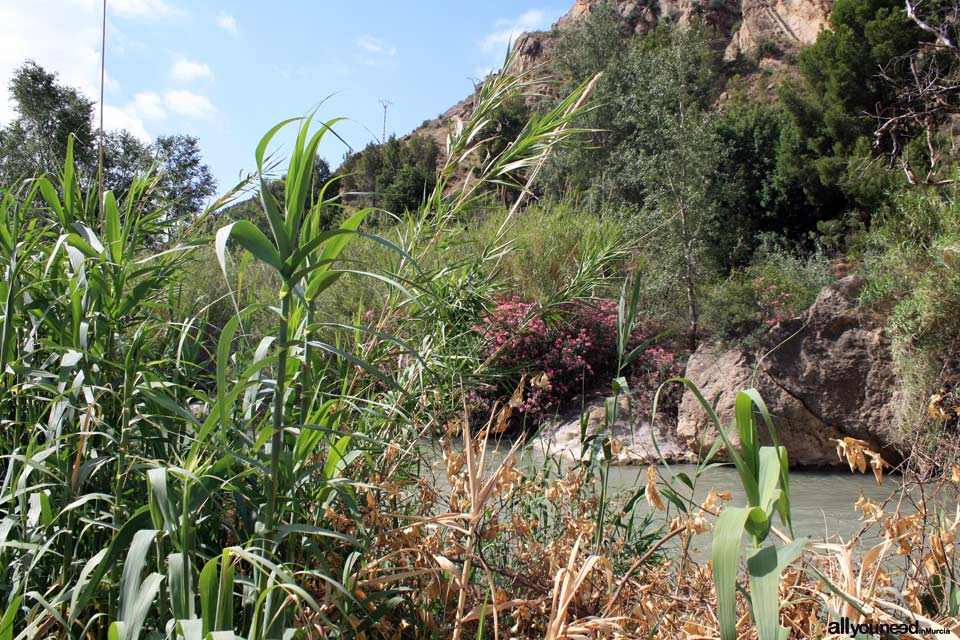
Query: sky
[227, 71]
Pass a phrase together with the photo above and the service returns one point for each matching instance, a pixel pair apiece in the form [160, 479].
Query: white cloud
[139, 8]
[376, 46]
[121, 118]
[63, 36]
[228, 23]
[187, 70]
[60, 36]
[507, 30]
[189, 104]
[147, 104]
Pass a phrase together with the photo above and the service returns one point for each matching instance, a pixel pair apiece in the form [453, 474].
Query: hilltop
[768, 30]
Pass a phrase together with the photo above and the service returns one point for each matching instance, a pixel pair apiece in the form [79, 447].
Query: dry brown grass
[469, 555]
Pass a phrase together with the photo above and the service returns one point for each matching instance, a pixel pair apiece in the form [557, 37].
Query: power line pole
[103, 73]
[385, 104]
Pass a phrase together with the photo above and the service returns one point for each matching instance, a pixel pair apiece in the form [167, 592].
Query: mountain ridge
[787, 25]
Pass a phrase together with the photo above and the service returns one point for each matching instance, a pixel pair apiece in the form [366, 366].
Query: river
[822, 501]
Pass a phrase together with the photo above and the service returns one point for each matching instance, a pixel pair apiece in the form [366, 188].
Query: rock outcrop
[787, 24]
[632, 433]
[790, 23]
[828, 374]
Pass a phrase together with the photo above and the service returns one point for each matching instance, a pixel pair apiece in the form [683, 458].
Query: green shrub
[912, 266]
[777, 286]
[396, 175]
[548, 241]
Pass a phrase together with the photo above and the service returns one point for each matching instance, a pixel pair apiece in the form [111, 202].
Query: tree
[665, 152]
[395, 175]
[836, 104]
[754, 190]
[47, 113]
[676, 177]
[926, 83]
[185, 180]
[588, 47]
[124, 157]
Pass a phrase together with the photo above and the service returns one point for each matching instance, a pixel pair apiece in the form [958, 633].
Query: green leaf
[112, 228]
[270, 206]
[250, 238]
[769, 477]
[9, 615]
[748, 433]
[134, 617]
[162, 508]
[139, 519]
[52, 199]
[725, 554]
[69, 175]
[216, 594]
[132, 569]
[224, 345]
[765, 566]
[180, 583]
[336, 458]
[189, 630]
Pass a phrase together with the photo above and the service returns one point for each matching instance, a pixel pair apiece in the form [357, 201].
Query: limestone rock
[630, 431]
[788, 24]
[828, 374]
[785, 22]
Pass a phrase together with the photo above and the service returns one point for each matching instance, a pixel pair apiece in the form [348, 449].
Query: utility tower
[385, 104]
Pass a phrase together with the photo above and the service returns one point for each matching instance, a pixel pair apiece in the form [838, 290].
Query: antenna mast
[385, 104]
[103, 72]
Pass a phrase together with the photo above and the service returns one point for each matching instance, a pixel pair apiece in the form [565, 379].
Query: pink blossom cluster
[652, 367]
[774, 303]
[577, 347]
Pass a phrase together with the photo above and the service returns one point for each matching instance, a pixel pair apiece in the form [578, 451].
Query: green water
[822, 501]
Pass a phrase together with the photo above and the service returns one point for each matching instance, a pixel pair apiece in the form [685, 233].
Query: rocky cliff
[787, 25]
[826, 375]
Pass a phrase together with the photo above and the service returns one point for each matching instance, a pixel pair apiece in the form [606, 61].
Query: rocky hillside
[787, 25]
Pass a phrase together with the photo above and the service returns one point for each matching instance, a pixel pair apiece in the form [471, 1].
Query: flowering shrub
[576, 349]
[651, 368]
[775, 304]
[753, 301]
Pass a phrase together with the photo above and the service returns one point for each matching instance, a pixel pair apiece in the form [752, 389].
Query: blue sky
[228, 71]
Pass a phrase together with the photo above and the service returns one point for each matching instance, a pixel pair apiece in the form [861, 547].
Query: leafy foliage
[49, 114]
[396, 175]
[842, 94]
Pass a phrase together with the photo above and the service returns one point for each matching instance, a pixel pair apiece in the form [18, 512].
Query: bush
[779, 285]
[912, 266]
[395, 175]
[569, 353]
[547, 242]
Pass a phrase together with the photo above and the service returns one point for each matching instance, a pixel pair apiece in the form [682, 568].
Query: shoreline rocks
[827, 374]
[631, 432]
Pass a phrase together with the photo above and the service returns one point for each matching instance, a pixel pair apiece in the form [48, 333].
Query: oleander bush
[779, 285]
[565, 355]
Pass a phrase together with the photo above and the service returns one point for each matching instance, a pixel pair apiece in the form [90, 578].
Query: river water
[822, 501]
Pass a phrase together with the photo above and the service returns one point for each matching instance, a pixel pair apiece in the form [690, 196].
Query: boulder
[631, 431]
[824, 375]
